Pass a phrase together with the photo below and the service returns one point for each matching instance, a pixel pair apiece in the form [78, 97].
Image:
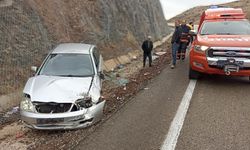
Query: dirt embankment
[31, 28]
[195, 13]
[115, 26]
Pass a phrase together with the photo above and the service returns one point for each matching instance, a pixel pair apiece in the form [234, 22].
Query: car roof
[78, 48]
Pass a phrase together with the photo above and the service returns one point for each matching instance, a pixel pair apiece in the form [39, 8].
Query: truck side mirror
[102, 76]
[192, 33]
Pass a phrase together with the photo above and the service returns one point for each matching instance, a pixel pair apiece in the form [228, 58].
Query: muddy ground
[120, 86]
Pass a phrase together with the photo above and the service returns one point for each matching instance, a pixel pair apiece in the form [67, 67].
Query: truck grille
[52, 107]
[233, 53]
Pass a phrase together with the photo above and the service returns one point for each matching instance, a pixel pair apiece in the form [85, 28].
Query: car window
[96, 55]
[72, 65]
[226, 28]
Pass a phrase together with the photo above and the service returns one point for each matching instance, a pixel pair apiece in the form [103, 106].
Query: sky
[172, 8]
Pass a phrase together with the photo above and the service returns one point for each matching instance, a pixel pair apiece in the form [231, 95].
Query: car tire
[194, 74]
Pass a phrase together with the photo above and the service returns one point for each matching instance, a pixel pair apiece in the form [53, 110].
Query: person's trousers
[175, 48]
[145, 56]
[182, 50]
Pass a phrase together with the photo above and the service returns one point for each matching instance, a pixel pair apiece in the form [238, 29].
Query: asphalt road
[218, 116]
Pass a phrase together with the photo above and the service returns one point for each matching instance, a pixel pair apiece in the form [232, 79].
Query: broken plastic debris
[19, 135]
[118, 98]
[120, 66]
[134, 80]
[155, 57]
[146, 88]
[160, 53]
[147, 73]
[6, 115]
[134, 57]
[111, 76]
[123, 81]
[13, 111]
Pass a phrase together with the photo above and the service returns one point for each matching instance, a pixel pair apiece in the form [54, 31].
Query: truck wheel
[193, 74]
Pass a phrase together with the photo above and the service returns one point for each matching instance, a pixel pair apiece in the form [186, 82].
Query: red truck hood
[224, 40]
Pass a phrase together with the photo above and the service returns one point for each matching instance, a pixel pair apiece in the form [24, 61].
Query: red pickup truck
[221, 44]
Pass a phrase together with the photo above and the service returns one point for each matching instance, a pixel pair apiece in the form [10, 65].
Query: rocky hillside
[194, 13]
[116, 26]
[30, 28]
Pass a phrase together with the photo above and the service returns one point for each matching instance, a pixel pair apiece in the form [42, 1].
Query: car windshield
[226, 28]
[68, 65]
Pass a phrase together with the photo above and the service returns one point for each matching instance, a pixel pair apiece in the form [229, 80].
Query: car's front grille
[233, 53]
[52, 107]
[219, 67]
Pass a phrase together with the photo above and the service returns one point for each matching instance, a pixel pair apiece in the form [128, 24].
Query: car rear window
[226, 28]
[70, 65]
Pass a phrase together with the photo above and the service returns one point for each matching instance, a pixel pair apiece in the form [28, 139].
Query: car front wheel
[193, 74]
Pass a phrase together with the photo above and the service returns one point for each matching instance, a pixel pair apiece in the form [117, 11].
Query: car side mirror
[102, 76]
[192, 33]
[34, 68]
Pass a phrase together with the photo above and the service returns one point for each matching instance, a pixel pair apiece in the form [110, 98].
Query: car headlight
[200, 48]
[26, 104]
[85, 102]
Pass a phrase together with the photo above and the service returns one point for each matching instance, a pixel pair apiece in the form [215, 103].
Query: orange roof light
[224, 13]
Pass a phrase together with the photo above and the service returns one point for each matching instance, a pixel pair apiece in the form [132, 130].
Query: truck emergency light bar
[225, 16]
[217, 6]
[224, 13]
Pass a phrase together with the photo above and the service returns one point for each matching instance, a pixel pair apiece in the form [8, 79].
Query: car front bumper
[62, 121]
[210, 65]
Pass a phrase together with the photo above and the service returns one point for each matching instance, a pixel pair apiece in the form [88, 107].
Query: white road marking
[177, 123]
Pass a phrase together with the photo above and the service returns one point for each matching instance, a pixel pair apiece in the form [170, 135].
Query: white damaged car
[65, 92]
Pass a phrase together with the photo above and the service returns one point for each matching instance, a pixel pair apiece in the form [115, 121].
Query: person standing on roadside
[184, 40]
[175, 42]
[147, 48]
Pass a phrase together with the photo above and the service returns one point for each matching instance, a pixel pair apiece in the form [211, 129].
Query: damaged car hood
[57, 89]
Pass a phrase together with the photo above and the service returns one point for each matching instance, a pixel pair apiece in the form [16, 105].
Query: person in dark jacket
[175, 42]
[147, 48]
[185, 38]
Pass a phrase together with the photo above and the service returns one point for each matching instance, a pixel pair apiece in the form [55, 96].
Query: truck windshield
[226, 28]
[67, 65]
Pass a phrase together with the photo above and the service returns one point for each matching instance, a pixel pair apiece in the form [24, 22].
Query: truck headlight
[200, 48]
[85, 102]
[26, 104]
